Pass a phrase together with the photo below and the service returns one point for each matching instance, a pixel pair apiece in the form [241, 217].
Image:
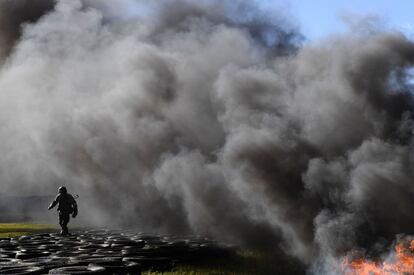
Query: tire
[23, 270]
[8, 260]
[158, 264]
[47, 263]
[63, 254]
[7, 263]
[108, 252]
[30, 255]
[88, 260]
[75, 270]
[129, 243]
[8, 246]
[8, 254]
[143, 253]
[120, 268]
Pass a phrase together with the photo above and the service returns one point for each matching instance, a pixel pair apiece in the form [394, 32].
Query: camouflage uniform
[66, 206]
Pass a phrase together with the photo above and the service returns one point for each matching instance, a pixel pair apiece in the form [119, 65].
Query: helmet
[62, 190]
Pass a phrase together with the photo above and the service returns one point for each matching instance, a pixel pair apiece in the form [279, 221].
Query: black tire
[23, 270]
[7, 263]
[48, 263]
[8, 254]
[79, 270]
[9, 247]
[159, 264]
[120, 268]
[108, 252]
[143, 253]
[63, 254]
[25, 256]
[8, 260]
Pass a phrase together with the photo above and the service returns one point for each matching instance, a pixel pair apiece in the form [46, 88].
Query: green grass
[13, 230]
[244, 262]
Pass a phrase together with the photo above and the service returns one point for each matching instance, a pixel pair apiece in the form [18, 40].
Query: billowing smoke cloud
[209, 117]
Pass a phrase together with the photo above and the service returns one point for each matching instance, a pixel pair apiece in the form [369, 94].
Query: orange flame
[402, 263]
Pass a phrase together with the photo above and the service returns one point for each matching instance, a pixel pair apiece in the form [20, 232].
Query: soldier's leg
[62, 223]
[65, 219]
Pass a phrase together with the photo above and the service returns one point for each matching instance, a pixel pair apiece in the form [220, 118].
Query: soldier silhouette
[66, 206]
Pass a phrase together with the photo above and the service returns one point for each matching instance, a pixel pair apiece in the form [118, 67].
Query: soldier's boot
[64, 230]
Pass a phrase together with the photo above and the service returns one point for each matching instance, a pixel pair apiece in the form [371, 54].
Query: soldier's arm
[53, 204]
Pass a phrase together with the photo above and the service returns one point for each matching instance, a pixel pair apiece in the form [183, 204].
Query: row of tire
[101, 252]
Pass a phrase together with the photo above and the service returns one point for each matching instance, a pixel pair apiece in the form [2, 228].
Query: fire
[401, 261]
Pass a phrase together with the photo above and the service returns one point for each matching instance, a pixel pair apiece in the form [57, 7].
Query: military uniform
[66, 206]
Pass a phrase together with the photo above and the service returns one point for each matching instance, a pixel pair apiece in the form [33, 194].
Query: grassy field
[244, 262]
[13, 230]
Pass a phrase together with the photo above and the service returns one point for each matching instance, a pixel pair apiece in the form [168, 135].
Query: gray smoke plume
[209, 117]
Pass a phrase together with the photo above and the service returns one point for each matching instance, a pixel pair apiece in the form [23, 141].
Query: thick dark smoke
[15, 13]
[209, 117]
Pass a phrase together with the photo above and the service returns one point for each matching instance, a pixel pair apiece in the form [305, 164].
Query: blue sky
[319, 18]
